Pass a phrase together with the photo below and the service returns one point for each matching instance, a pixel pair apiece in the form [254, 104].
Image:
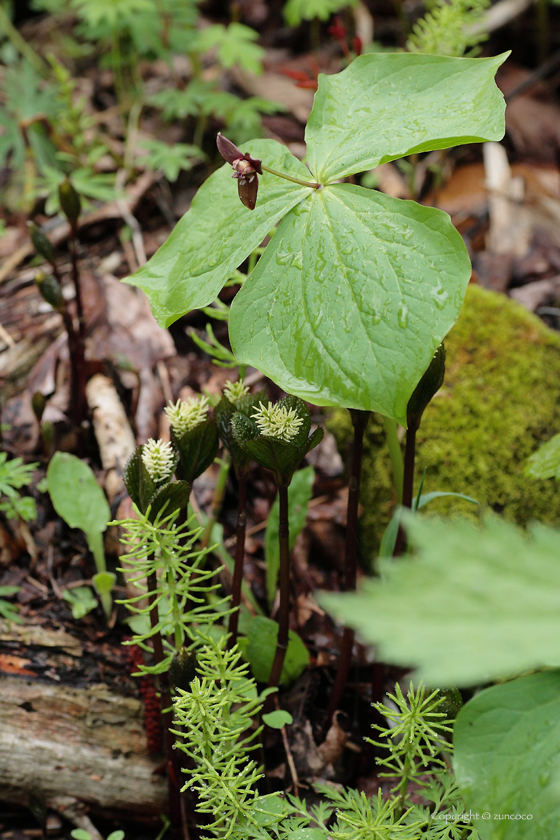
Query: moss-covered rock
[499, 402]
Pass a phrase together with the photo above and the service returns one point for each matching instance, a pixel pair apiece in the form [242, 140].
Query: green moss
[499, 402]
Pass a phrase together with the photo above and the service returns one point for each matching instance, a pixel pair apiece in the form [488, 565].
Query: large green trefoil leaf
[384, 107]
[217, 234]
[351, 299]
[356, 290]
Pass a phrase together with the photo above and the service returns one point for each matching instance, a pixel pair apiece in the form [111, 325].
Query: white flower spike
[277, 421]
[235, 390]
[158, 458]
[185, 415]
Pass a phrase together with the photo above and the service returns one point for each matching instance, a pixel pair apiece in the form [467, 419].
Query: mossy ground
[499, 402]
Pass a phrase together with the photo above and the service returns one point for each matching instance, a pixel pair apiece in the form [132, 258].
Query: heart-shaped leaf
[351, 299]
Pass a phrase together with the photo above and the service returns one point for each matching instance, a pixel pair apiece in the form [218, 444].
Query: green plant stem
[219, 492]
[360, 420]
[199, 129]
[543, 24]
[312, 184]
[408, 485]
[173, 767]
[21, 45]
[403, 787]
[402, 18]
[315, 34]
[409, 459]
[395, 454]
[284, 606]
[73, 243]
[239, 557]
[78, 399]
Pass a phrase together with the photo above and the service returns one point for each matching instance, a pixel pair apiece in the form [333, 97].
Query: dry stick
[359, 421]
[173, 767]
[239, 558]
[284, 606]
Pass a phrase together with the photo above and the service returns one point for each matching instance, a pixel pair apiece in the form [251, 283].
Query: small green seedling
[7, 610]
[80, 501]
[14, 475]
[82, 834]
[81, 600]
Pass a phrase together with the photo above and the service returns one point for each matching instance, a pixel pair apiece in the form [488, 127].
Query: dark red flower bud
[308, 84]
[245, 169]
[357, 45]
[337, 30]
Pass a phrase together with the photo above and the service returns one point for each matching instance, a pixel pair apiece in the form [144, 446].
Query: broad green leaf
[278, 719]
[475, 604]
[261, 647]
[104, 582]
[545, 462]
[76, 495]
[507, 758]
[217, 234]
[299, 494]
[387, 106]
[351, 298]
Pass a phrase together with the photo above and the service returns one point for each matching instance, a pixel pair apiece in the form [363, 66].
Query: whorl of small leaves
[14, 475]
[215, 717]
[415, 735]
[450, 27]
[167, 551]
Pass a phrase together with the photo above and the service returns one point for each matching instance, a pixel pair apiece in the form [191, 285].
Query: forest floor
[506, 205]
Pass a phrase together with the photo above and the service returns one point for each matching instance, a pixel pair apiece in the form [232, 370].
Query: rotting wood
[84, 743]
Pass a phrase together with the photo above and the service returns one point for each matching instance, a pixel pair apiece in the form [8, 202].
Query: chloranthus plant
[278, 437]
[356, 290]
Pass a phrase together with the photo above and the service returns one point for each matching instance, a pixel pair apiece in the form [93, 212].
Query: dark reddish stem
[284, 607]
[239, 558]
[76, 350]
[359, 421]
[173, 765]
[76, 281]
[408, 485]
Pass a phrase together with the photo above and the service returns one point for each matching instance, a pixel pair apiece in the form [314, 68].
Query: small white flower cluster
[235, 390]
[184, 416]
[158, 458]
[277, 421]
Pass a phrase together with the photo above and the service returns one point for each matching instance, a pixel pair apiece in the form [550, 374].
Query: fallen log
[86, 743]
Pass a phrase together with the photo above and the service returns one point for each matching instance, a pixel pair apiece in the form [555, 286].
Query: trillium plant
[356, 290]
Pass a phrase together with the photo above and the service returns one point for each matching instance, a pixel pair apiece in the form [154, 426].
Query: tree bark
[84, 743]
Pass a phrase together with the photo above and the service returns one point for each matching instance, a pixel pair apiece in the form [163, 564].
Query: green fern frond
[448, 28]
